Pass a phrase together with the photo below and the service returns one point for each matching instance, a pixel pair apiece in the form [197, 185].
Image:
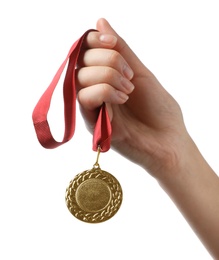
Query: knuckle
[109, 73]
[105, 90]
[107, 93]
[113, 58]
[92, 39]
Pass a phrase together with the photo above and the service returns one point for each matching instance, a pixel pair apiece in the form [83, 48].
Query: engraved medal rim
[109, 210]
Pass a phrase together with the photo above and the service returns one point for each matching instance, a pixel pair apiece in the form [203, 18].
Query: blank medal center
[93, 195]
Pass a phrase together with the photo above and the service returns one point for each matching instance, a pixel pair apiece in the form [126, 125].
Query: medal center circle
[93, 195]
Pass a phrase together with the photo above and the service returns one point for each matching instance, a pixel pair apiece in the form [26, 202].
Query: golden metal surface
[94, 195]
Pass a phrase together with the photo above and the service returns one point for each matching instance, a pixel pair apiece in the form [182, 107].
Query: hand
[148, 128]
[147, 122]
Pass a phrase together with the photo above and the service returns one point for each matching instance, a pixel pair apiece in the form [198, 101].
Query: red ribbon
[102, 131]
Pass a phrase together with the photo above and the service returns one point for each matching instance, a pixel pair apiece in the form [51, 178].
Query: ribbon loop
[102, 131]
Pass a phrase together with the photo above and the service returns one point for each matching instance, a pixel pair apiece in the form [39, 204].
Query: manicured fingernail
[108, 39]
[127, 84]
[128, 72]
[122, 95]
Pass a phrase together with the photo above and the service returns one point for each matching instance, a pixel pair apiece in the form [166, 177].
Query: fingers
[93, 97]
[95, 42]
[98, 84]
[89, 76]
[105, 28]
[106, 37]
[106, 57]
[103, 75]
[121, 46]
[100, 40]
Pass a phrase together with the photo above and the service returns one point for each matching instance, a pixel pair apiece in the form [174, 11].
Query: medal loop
[102, 131]
[96, 165]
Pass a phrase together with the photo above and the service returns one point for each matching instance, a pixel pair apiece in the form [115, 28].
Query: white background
[178, 41]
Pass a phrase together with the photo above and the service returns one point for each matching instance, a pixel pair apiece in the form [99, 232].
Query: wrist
[166, 162]
[180, 162]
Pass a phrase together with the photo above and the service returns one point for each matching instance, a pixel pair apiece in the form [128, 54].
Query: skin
[156, 137]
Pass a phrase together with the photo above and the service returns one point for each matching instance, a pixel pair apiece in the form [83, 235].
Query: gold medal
[94, 195]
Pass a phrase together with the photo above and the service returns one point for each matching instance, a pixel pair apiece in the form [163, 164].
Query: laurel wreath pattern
[100, 216]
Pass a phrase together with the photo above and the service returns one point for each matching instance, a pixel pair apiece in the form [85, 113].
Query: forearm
[195, 191]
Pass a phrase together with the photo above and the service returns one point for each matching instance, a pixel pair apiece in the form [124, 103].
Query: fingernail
[122, 95]
[127, 84]
[128, 72]
[108, 39]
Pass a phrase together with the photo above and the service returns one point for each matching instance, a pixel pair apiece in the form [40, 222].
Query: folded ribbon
[102, 131]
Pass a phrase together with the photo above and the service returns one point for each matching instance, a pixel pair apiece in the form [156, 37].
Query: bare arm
[194, 188]
[156, 138]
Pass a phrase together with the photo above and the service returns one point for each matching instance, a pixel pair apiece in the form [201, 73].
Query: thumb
[122, 47]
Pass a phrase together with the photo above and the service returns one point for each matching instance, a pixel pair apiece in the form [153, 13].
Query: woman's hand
[147, 122]
[148, 128]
